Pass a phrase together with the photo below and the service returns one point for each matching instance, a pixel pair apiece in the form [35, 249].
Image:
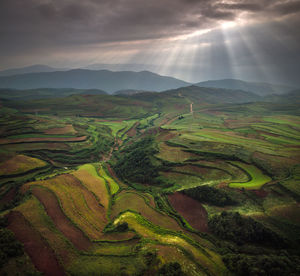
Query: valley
[207, 178]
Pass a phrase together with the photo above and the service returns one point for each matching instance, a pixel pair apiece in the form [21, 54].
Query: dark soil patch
[222, 185]
[132, 131]
[9, 196]
[41, 254]
[54, 211]
[191, 210]
[260, 193]
[60, 130]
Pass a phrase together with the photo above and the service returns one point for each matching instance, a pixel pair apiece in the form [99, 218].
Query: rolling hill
[261, 89]
[44, 93]
[214, 95]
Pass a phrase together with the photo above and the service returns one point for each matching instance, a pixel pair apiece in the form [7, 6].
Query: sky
[193, 40]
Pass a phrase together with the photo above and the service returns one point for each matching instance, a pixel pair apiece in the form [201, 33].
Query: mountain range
[88, 79]
[119, 82]
[37, 68]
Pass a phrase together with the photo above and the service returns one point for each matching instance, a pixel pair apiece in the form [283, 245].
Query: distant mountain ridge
[99, 76]
[261, 89]
[38, 68]
[87, 79]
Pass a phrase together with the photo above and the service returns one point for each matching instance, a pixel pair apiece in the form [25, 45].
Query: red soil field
[132, 131]
[166, 135]
[41, 254]
[44, 139]
[57, 146]
[54, 211]
[191, 210]
[260, 193]
[20, 164]
[60, 130]
[9, 196]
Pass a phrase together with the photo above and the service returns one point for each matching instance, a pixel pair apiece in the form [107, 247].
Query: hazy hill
[129, 92]
[201, 95]
[292, 97]
[130, 106]
[262, 89]
[38, 68]
[87, 79]
[216, 95]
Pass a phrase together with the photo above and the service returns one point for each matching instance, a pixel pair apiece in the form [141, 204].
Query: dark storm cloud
[289, 7]
[242, 6]
[44, 28]
[99, 21]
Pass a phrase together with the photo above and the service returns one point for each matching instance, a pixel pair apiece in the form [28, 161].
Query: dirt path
[41, 254]
[60, 220]
[191, 210]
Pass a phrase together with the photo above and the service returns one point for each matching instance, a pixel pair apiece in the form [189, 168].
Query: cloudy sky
[190, 39]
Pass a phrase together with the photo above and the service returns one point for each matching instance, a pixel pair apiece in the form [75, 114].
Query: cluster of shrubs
[260, 265]
[137, 163]
[210, 195]
[170, 269]
[9, 246]
[234, 227]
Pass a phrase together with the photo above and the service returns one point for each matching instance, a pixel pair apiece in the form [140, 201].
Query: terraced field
[20, 164]
[130, 185]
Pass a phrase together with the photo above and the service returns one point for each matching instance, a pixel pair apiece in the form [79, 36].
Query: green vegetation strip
[257, 178]
[114, 187]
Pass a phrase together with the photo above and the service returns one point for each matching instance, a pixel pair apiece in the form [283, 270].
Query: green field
[257, 178]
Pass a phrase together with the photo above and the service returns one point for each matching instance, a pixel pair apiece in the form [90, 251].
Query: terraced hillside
[179, 181]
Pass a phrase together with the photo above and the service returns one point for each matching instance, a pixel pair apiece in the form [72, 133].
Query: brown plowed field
[61, 130]
[20, 164]
[132, 131]
[95, 185]
[54, 211]
[260, 193]
[191, 210]
[38, 250]
[9, 196]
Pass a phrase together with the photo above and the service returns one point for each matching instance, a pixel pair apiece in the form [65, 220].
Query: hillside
[261, 89]
[43, 93]
[214, 95]
[87, 79]
[129, 92]
[85, 103]
[289, 97]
